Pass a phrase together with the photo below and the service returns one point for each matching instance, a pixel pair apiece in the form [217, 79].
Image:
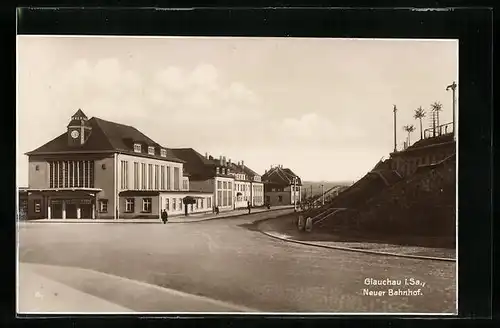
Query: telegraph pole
[323, 193]
[453, 87]
[394, 111]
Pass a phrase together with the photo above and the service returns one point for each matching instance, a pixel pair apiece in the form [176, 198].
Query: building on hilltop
[232, 185]
[102, 169]
[281, 186]
[433, 148]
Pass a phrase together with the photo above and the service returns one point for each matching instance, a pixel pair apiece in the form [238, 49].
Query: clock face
[74, 134]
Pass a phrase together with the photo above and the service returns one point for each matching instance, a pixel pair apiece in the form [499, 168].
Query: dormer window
[151, 150]
[163, 153]
[137, 148]
[217, 170]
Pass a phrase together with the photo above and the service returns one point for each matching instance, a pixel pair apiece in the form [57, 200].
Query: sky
[321, 107]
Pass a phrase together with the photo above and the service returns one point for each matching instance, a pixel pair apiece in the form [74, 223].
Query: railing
[438, 131]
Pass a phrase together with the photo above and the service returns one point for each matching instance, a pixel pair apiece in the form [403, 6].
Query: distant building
[102, 169]
[232, 185]
[279, 185]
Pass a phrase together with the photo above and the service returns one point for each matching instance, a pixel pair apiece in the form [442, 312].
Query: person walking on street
[249, 207]
[164, 216]
[216, 210]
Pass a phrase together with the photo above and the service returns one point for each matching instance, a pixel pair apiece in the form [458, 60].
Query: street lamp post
[453, 87]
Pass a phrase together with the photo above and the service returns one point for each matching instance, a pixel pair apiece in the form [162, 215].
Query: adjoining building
[102, 169]
[281, 186]
[224, 179]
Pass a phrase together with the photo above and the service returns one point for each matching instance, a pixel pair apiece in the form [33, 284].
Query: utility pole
[294, 194]
[323, 194]
[394, 111]
[453, 87]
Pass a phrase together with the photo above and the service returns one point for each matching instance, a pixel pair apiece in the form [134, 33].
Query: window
[201, 203]
[167, 204]
[157, 176]
[38, 205]
[151, 150]
[168, 177]
[70, 174]
[103, 205]
[174, 204]
[209, 202]
[136, 175]
[129, 205]
[196, 207]
[146, 205]
[150, 176]
[137, 148]
[280, 199]
[124, 175]
[163, 153]
[185, 185]
[143, 176]
[225, 184]
[217, 170]
[176, 178]
[180, 203]
[162, 177]
[230, 186]
[219, 185]
[219, 198]
[191, 207]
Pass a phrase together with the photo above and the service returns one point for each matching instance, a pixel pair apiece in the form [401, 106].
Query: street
[228, 261]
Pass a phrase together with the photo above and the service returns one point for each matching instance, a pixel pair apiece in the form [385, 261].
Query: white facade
[142, 173]
[172, 202]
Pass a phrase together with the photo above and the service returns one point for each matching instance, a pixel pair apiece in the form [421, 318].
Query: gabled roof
[196, 165]
[280, 176]
[106, 136]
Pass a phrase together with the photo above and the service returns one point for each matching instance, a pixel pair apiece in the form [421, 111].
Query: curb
[349, 249]
[153, 222]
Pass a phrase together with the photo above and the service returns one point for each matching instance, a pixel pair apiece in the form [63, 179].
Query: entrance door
[56, 210]
[86, 211]
[70, 211]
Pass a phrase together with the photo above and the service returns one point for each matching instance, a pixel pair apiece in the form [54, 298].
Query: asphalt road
[228, 260]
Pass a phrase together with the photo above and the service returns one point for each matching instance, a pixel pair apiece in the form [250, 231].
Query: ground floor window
[129, 205]
[180, 203]
[174, 204]
[146, 205]
[209, 202]
[38, 205]
[201, 203]
[167, 204]
[103, 205]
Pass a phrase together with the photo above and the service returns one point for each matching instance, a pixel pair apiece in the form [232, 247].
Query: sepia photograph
[236, 175]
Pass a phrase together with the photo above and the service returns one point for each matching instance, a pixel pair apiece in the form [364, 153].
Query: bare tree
[419, 115]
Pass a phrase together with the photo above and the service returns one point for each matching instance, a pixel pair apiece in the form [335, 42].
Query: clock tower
[78, 129]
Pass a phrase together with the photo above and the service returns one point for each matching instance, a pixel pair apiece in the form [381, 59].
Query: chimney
[242, 164]
[220, 160]
[229, 161]
[206, 155]
[265, 171]
[224, 160]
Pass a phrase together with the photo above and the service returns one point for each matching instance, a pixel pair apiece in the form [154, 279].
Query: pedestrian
[216, 210]
[249, 207]
[164, 216]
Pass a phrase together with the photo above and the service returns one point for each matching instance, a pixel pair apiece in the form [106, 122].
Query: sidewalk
[198, 217]
[50, 288]
[284, 229]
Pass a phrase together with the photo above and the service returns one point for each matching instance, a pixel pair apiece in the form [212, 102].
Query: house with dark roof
[103, 169]
[223, 178]
[281, 186]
